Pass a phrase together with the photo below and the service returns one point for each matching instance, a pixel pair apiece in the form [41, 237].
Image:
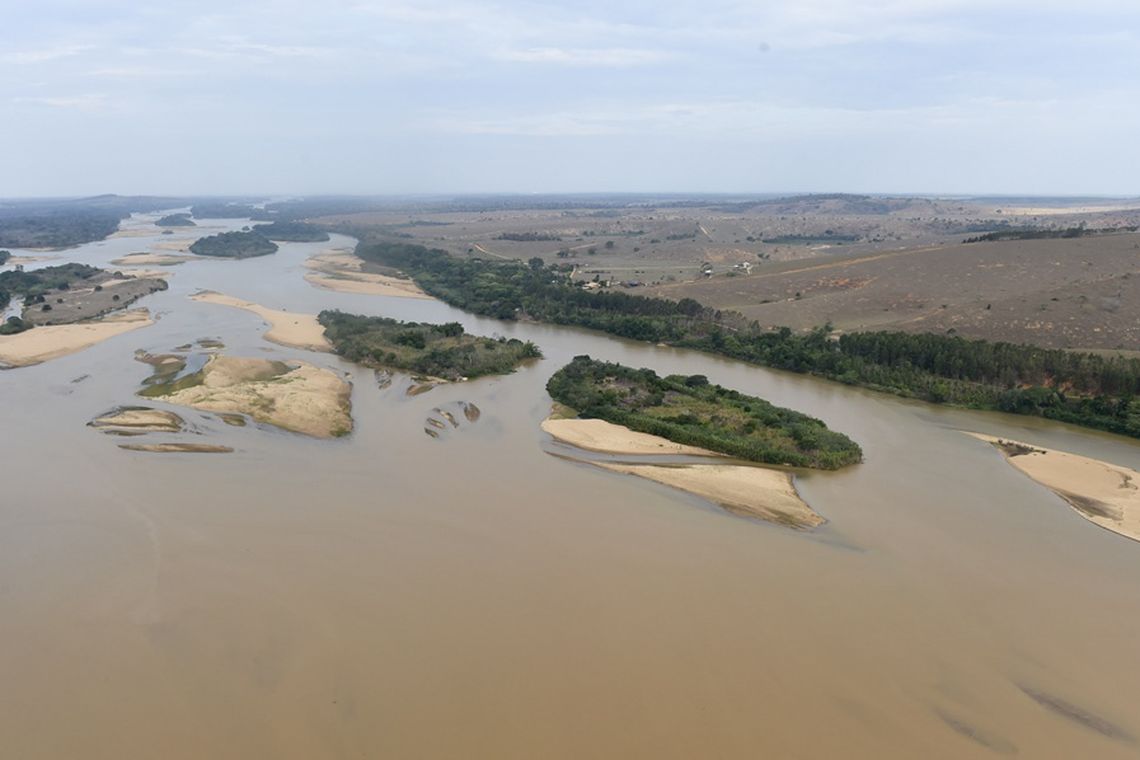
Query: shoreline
[1105, 494]
[47, 342]
[286, 328]
[753, 491]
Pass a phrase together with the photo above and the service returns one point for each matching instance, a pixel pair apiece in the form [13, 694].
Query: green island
[443, 351]
[234, 245]
[1101, 392]
[291, 232]
[176, 220]
[690, 411]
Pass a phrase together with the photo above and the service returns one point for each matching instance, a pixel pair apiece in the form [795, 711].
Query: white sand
[1105, 494]
[285, 328]
[41, 344]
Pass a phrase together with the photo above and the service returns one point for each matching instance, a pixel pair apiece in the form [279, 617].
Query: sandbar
[343, 272]
[608, 438]
[177, 448]
[741, 489]
[151, 259]
[285, 327]
[140, 418]
[1105, 494]
[747, 490]
[292, 395]
[46, 342]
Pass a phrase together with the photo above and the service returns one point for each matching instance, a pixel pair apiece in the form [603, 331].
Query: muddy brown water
[396, 595]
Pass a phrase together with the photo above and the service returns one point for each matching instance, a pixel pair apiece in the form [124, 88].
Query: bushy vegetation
[528, 237]
[444, 351]
[223, 210]
[4, 256]
[56, 228]
[1078, 388]
[1042, 233]
[176, 220]
[33, 286]
[234, 245]
[292, 232]
[689, 410]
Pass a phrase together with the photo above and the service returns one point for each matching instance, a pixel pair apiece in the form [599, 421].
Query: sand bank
[177, 448]
[608, 438]
[343, 272]
[53, 341]
[741, 489]
[1103, 493]
[151, 259]
[285, 328]
[292, 395]
[751, 491]
[140, 418]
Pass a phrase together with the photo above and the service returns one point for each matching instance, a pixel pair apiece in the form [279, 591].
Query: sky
[1036, 97]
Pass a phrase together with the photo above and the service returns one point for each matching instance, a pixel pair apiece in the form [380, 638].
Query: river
[394, 595]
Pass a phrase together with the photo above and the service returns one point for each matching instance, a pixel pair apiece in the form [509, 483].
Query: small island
[691, 411]
[439, 351]
[618, 410]
[176, 220]
[234, 245]
[292, 232]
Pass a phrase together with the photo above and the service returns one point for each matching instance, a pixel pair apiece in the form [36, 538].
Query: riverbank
[1105, 494]
[285, 328]
[745, 490]
[344, 273]
[48, 342]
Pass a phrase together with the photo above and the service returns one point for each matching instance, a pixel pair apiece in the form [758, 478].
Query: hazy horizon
[360, 97]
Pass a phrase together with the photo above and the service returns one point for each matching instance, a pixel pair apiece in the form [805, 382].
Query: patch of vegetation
[291, 232]
[176, 220]
[444, 351]
[56, 228]
[1079, 388]
[4, 256]
[223, 210]
[234, 245]
[35, 285]
[827, 237]
[1041, 233]
[529, 237]
[14, 325]
[689, 410]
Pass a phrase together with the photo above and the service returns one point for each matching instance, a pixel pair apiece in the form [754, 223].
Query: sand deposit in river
[53, 341]
[1105, 494]
[285, 328]
[344, 273]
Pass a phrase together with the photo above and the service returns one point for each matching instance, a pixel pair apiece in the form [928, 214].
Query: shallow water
[395, 595]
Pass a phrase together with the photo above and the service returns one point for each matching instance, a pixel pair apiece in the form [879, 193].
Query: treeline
[234, 245]
[444, 351]
[528, 237]
[690, 411]
[1038, 233]
[1079, 388]
[56, 229]
[291, 232]
[176, 220]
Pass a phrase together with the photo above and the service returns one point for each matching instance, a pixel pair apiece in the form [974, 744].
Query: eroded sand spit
[1105, 494]
[746, 490]
[285, 328]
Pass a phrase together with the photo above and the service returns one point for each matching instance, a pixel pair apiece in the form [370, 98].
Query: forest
[176, 220]
[691, 411]
[443, 351]
[1079, 388]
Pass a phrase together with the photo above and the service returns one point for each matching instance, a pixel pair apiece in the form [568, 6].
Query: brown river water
[391, 595]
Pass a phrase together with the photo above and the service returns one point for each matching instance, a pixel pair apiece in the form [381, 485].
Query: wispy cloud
[42, 55]
[611, 57]
[88, 102]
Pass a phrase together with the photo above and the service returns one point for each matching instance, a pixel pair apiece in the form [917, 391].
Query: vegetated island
[176, 220]
[1101, 392]
[438, 351]
[234, 245]
[292, 395]
[1105, 494]
[292, 232]
[621, 410]
[64, 305]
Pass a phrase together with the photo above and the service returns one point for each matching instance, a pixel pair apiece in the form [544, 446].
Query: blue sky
[379, 96]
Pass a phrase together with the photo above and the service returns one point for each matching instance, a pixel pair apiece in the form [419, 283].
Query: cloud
[89, 102]
[42, 55]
